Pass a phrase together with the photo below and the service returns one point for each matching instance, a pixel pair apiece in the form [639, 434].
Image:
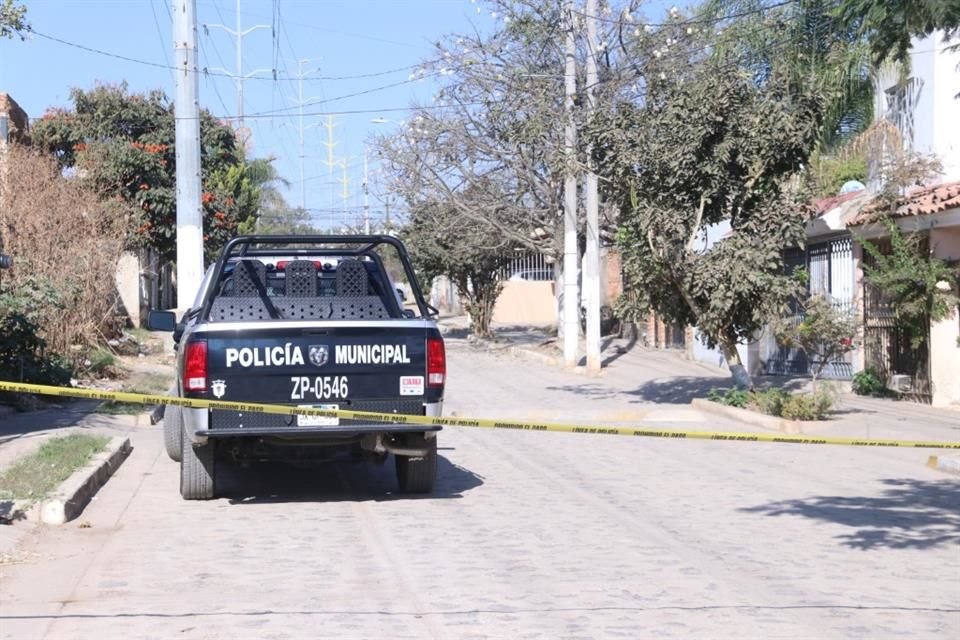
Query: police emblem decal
[219, 388]
[318, 354]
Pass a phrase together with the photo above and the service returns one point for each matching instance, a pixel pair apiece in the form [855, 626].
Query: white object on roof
[851, 186]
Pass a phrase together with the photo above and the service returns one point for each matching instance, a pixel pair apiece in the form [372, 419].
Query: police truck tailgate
[346, 367]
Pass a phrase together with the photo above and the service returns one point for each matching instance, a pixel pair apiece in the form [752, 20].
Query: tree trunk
[481, 315]
[741, 377]
[481, 296]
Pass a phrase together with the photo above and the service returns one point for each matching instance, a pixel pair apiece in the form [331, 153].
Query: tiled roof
[919, 203]
[824, 205]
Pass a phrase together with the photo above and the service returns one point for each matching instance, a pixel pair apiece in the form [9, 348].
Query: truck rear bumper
[313, 432]
[200, 427]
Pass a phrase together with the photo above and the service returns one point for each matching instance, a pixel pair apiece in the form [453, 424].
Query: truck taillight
[195, 366]
[436, 362]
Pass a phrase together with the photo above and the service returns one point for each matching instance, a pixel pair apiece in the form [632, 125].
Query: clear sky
[382, 40]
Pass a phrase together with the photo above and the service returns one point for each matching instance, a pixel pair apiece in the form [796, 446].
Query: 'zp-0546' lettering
[319, 388]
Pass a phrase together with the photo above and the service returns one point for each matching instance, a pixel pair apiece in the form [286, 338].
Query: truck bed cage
[352, 246]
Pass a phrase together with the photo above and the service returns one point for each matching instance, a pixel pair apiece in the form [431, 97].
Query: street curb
[529, 354]
[543, 358]
[74, 493]
[947, 465]
[750, 417]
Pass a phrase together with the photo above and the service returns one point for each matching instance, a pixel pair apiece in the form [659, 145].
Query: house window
[901, 101]
[830, 265]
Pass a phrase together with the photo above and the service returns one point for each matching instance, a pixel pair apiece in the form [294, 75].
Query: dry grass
[61, 233]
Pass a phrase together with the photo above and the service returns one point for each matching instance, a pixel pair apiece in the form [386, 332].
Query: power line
[345, 96]
[158, 65]
[156, 23]
[360, 36]
[691, 21]
[211, 82]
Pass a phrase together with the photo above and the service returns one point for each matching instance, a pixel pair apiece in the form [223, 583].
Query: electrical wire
[156, 23]
[158, 65]
[691, 21]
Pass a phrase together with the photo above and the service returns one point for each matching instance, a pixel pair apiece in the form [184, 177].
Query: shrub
[779, 402]
[869, 383]
[808, 406]
[101, 362]
[731, 397]
[23, 356]
[769, 401]
[65, 242]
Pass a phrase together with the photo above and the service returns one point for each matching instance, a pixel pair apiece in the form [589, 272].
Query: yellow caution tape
[393, 418]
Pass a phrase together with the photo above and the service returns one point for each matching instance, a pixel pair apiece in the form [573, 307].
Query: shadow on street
[67, 413]
[334, 481]
[680, 389]
[910, 514]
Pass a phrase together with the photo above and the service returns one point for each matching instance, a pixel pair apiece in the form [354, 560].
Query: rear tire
[417, 475]
[197, 470]
[173, 432]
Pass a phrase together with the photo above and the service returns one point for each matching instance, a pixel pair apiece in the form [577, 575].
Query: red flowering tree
[122, 144]
[823, 331]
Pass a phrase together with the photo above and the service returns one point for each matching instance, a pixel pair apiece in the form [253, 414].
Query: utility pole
[300, 75]
[570, 329]
[591, 270]
[187, 140]
[239, 76]
[345, 182]
[331, 161]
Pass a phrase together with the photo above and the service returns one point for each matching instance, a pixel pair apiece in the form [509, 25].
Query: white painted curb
[946, 464]
[69, 499]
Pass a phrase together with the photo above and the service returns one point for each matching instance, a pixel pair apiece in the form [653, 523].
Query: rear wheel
[197, 470]
[417, 475]
[173, 431]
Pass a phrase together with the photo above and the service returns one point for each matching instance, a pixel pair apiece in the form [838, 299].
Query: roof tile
[919, 203]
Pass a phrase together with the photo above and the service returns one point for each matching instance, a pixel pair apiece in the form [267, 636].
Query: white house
[925, 109]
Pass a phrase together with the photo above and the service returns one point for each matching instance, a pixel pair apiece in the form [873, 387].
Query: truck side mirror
[161, 321]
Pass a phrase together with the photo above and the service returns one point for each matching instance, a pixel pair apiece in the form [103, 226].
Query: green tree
[123, 145]
[471, 253]
[716, 139]
[890, 24]
[284, 220]
[812, 46]
[257, 184]
[921, 287]
[13, 19]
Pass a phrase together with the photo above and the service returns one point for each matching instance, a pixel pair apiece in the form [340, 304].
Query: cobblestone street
[528, 535]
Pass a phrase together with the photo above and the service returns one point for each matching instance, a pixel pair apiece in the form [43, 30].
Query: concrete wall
[128, 286]
[941, 135]
[699, 352]
[944, 348]
[525, 302]
[936, 113]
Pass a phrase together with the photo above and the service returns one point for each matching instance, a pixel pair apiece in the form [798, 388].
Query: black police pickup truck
[313, 321]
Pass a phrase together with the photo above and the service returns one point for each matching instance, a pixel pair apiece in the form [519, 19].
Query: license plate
[318, 421]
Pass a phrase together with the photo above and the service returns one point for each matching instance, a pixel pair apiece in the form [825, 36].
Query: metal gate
[830, 267]
[888, 347]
